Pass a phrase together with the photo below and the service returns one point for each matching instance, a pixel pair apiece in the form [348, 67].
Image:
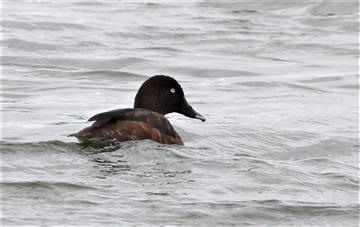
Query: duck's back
[130, 124]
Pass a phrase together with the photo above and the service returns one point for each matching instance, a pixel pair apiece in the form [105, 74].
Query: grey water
[276, 80]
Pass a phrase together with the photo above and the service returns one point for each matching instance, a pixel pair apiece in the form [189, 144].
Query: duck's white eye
[172, 90]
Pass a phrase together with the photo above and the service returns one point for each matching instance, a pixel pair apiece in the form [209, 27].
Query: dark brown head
[163, 94]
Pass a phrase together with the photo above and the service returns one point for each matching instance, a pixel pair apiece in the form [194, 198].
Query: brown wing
[130, 124]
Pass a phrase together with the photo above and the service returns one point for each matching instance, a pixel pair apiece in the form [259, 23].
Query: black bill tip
[188, 111]
[200, 117]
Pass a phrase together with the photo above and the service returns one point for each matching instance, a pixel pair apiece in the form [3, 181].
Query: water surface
[277, 82]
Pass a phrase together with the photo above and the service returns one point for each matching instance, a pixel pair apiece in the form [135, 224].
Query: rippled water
[277, 82]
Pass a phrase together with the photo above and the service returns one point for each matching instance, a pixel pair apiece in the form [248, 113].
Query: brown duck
[157, 96]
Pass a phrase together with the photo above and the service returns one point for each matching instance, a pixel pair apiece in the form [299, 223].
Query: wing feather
[130, 124]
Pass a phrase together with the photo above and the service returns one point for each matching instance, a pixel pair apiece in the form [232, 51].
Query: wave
[69, 64]
[24, 45]
[35, 185]
[47, 26]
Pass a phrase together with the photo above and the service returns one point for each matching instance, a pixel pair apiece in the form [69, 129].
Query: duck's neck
[155, 108]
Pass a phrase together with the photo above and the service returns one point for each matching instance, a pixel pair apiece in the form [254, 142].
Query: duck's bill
[188, 111]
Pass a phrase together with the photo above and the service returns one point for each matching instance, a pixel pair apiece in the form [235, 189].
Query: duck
[157, 96]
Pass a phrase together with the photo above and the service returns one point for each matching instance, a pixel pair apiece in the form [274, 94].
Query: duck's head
[163, 94]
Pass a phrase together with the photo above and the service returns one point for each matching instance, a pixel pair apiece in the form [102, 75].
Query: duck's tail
[73, 135]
